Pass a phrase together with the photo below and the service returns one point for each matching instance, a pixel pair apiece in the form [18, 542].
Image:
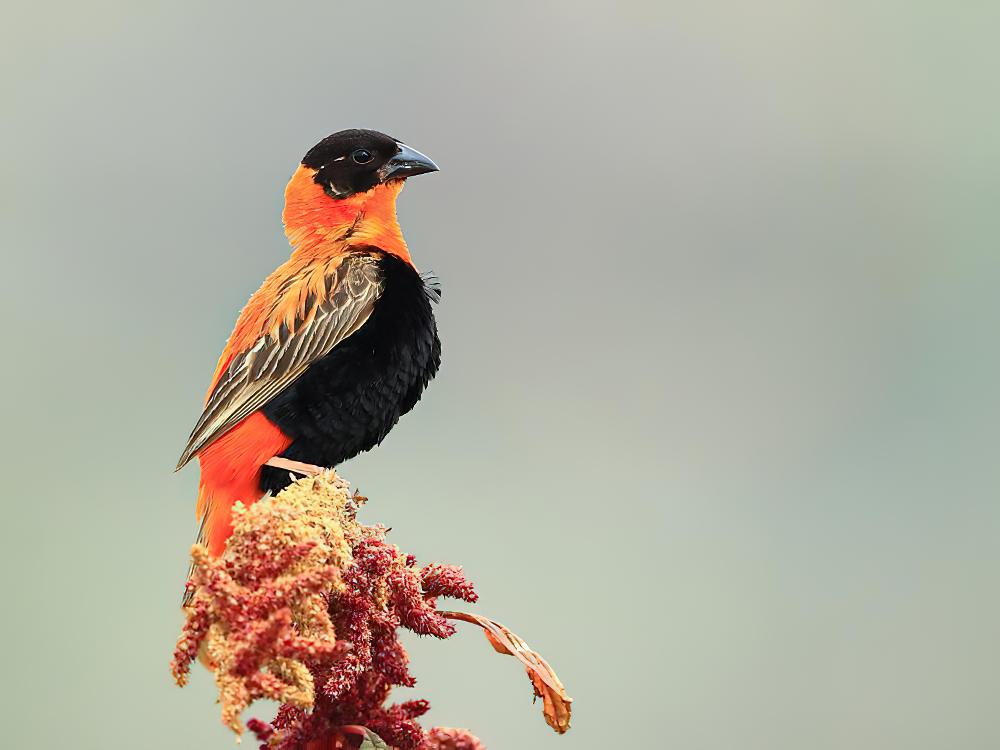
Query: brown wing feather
[259, 374]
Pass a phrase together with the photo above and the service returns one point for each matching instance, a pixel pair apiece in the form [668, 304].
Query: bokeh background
[716, 429]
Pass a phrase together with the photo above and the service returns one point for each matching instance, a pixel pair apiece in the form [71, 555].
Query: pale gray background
[716, 426]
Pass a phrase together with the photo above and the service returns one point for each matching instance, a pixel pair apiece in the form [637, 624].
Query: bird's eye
[361, 156]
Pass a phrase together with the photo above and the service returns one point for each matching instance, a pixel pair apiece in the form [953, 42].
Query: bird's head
[356, 161]
[347, 185]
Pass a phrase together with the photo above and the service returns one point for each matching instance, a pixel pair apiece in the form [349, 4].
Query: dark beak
[406, 163]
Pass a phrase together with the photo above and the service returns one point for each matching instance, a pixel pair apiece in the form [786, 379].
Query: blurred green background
[716, 429]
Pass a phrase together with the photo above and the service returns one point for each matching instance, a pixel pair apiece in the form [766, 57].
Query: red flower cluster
[384, 590]
[446, 738]
[305, 606]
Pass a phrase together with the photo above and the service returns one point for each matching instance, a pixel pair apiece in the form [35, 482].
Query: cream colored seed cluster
[260, 609]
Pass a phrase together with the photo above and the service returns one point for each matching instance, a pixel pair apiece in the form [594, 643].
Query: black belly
[347, 402]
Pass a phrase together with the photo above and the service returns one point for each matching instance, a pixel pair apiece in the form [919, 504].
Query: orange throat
[320, 226]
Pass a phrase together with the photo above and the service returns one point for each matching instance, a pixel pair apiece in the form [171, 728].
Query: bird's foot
[297, 467]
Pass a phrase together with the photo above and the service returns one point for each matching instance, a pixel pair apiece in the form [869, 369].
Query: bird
[336, 345]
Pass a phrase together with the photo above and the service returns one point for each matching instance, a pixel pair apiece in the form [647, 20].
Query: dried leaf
[555, 701]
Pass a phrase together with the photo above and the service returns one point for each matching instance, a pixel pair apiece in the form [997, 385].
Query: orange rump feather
[230, 473]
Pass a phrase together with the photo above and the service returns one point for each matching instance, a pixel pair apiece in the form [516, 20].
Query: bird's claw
[297, 467]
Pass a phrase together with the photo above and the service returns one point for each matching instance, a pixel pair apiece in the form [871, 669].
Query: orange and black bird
[337, 344]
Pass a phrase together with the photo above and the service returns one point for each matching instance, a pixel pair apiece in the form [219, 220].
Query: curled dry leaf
[555, 701]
